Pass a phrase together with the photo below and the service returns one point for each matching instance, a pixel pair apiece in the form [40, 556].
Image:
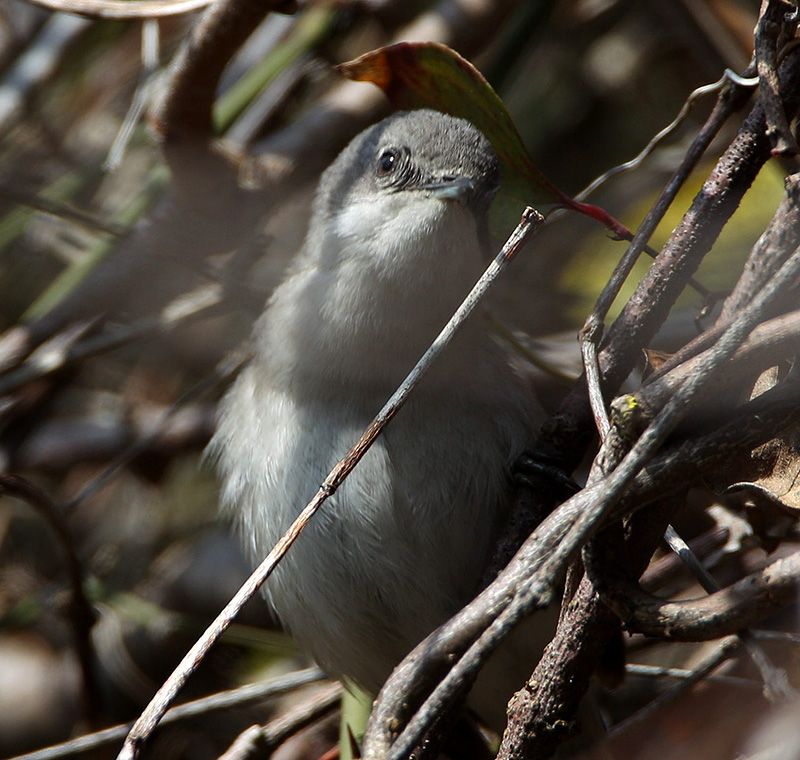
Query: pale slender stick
[124, 9]
[148, 720]
[223, 700]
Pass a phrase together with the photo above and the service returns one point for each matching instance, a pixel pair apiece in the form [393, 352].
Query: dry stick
[225, 371]
[780, 238]
[41, 364]
[80, 610]
[769, 344]
[659, 137]
[147, 722]
[186, 111]
[60, 209]
[727, 76]
[151, 44]
[771, 249]
[692, 239]
[592, 331]
[258, 741]
[699, 673]
[540, 715]
[768, 30]
[682, 674]
[607, 492]
[124, 9]
[664, 569]
[726, 612]
[222, 700]
[776, 683]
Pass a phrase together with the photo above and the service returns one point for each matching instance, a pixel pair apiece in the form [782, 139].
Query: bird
[398, 235]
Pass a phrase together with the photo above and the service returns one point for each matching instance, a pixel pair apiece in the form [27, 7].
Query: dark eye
[387, 162]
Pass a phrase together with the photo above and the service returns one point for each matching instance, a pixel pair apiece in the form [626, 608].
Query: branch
[223, 700]
[769, 344]
[773, 23]
[80, 610]
[679, 258]
[780, 238]
[259, 741]
[725, 612]
[123, 9]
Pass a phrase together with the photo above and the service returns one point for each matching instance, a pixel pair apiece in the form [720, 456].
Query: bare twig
[591, 369]
[776, 684]
[682, 674]
[780, 238]
[80, 610]
[59, 209]
[223, 700]
[124, 9]
[663, 569]
[724, 652]
[149, 719]
[141, 96]
[659, 137]
[42, 364]
[771, 342]
[768, 30]
[257, 741]
[743, 604]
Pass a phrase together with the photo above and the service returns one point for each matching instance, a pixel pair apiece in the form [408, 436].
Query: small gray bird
[398, 237]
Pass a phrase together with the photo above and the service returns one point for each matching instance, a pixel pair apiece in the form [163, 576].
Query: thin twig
[141, 96]
[80, 610]
[124, 9]
[44, 363]
[60, 209]
[659, 137]
[222, 700]
[258, 741]
[776, 682]
[771, 343]
[144, 726]
[682, 674]
[591, 368]
[699, 673]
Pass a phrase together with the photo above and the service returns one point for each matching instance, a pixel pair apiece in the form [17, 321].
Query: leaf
[431, 75]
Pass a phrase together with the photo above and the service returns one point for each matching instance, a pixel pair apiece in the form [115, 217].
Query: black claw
[530, 467]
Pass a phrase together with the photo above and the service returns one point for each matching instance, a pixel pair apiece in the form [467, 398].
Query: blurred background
[114, 435]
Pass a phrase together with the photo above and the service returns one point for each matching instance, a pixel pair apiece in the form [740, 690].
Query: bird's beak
[451, 188]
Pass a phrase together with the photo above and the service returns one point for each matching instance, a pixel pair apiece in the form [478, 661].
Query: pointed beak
[451, 189]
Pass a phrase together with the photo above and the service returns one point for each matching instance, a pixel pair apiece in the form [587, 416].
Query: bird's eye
[387, 162]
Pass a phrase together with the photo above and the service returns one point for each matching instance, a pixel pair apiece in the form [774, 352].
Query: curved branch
[124, 9]
[725, 612]
[771, 342]
[80, 610]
